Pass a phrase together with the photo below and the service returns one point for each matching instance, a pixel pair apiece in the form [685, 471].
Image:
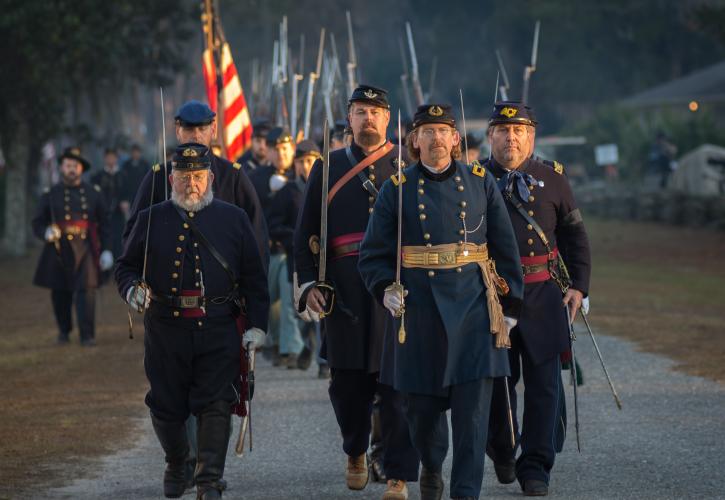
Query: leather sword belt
[451, 255]
[191, 302]
[346, 245]
[536, 268]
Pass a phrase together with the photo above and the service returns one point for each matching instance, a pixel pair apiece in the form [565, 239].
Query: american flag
[237, 125]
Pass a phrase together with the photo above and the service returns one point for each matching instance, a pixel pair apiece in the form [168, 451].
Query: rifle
[529, 70]
[312, 78]
[414, 66]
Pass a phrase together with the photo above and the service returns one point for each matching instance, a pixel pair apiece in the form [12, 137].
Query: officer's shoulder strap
[477, 169]
[558, 167]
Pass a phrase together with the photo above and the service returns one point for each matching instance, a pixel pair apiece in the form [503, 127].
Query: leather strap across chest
[369, 160]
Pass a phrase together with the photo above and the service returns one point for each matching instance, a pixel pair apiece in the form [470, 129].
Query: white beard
[193, 207]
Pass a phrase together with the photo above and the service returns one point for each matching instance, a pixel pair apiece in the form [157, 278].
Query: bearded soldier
[353, 322]
[73, 221]
[548, 227]
[203, 263]
[458, 255]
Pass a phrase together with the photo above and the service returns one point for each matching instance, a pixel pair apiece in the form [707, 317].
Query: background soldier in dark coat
[256, 156]
[112, 181]
[354, 330]
[543, 193]
[72, 220]
[135, 168]
[454, 225]
[192, 343]
[196, 122]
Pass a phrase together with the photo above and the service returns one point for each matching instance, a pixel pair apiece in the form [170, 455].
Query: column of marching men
[425, 287]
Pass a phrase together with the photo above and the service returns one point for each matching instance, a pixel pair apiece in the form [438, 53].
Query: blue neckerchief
[522, 182]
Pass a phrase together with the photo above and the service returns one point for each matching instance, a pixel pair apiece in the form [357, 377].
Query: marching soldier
[134, 168]
[353, 322]
[112, 182]
[458, 255]
[203, 263]
[269, 180]
[196, 122]
[73, 221]
[256, 156]
[548, 227]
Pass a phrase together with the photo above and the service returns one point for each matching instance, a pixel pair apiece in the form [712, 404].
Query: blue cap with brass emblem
[193, 113]
[512, 112]
[370, 95]
[279, 135]
[191, 156]
[434, 113]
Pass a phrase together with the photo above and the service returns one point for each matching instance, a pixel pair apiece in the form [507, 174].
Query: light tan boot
[396, 490]
[357, 472]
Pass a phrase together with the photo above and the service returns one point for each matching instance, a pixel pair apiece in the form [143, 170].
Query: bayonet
[352, 57]
[432, 81]
[312, 78]
[414, 66]
[504, 76]
[529, 70]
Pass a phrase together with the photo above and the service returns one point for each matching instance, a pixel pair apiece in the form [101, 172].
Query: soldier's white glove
[394, 299]
[510, 323]
[253, 338]
[585, 305]
[138, 297]
[106, 260]
[297, 291]
[52, 233]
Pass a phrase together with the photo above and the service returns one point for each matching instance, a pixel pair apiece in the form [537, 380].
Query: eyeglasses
[187, 178]
[429, 133]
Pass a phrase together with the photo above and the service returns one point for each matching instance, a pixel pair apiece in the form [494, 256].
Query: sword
[322, 284]
[601, 360]
[572, 338]
[398, 255]
[163, 151]
[246, 423]
[463, 119]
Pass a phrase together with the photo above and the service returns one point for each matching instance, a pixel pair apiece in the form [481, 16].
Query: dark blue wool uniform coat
[230, 184]
[75, 267]
[174, 253]
[542, 325]
[446, 318]
[351, 342]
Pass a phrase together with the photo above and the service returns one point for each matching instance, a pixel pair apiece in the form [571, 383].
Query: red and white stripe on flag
[237, 123]
[210, 78]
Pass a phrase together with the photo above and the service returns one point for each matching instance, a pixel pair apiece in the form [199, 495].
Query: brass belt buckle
[447, 257]
[189, 301]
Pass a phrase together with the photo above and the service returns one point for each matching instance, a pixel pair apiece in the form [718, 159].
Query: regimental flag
[237, 122]
[209, 70]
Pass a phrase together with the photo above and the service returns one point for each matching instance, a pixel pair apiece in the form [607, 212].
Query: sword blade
[601, 360]
[400, 201]
[510, 413]
[325, 195]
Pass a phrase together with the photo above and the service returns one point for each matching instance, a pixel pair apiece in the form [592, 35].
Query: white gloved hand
[585, 305]
[394, 300]
[138, 297]
[52, 233]
[297, 291]
[510, 323]
[252, 338]
[106, 260]
[277, 182]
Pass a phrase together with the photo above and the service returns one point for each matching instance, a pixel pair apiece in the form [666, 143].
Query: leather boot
[172, 436]
[213, 440]
[376, 444]
[431, 484]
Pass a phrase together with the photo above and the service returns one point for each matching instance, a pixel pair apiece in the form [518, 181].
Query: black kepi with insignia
[191, 156]
[434, 113]
[370, 95]
[512, 112]
[74, 153]
[279, 135]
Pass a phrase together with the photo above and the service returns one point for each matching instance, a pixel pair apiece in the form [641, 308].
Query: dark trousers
[351, 393]
[469, 404]
[189, 367]
[85, 311]
[543, 428]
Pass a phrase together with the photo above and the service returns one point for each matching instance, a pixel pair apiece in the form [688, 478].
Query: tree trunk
[17, 222]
